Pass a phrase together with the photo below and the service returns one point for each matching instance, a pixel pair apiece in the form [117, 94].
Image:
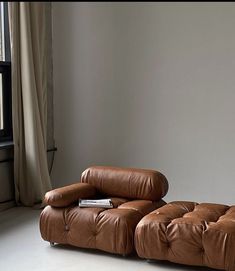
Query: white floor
[22, 249]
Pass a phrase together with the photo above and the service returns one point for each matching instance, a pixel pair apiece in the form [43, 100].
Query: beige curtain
[29, 37]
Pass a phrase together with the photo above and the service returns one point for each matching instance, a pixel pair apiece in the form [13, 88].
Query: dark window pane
[1, 104]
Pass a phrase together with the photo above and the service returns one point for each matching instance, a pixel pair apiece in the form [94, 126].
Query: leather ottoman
[189, 233]
[134, 193]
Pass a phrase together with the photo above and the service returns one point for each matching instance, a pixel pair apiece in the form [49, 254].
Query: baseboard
[6, 205]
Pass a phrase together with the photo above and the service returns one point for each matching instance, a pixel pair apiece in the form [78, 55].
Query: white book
[95, 203]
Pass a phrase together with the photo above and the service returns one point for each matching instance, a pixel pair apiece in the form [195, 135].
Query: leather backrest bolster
[127, 182]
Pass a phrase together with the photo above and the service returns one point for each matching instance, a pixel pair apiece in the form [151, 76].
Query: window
[5, 76]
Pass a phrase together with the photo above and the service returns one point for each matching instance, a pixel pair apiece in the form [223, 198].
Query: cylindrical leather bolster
[64, 196]
[127, 182]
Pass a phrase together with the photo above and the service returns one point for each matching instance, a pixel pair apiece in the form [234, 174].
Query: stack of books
[95, 203]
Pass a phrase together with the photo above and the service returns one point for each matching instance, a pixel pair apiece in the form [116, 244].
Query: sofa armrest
[64, 196]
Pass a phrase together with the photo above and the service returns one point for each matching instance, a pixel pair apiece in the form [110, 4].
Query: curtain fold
[29, 57]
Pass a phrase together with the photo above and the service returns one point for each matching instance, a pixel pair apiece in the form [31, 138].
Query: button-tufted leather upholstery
[189, 233]
[134, 193]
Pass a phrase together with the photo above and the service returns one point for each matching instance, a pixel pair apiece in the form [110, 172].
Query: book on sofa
[95, 203]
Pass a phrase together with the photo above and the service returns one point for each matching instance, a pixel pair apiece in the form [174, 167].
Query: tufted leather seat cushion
[110, 230]
[189, 233]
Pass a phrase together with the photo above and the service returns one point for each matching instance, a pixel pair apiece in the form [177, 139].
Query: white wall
[147, 85]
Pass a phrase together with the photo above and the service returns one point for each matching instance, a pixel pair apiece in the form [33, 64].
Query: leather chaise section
[133, 192]
[189, 233]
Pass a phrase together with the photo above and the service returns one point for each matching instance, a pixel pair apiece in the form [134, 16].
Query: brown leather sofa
[189, 233]
[134, 193]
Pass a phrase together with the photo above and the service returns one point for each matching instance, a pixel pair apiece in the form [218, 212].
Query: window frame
[6, 133]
